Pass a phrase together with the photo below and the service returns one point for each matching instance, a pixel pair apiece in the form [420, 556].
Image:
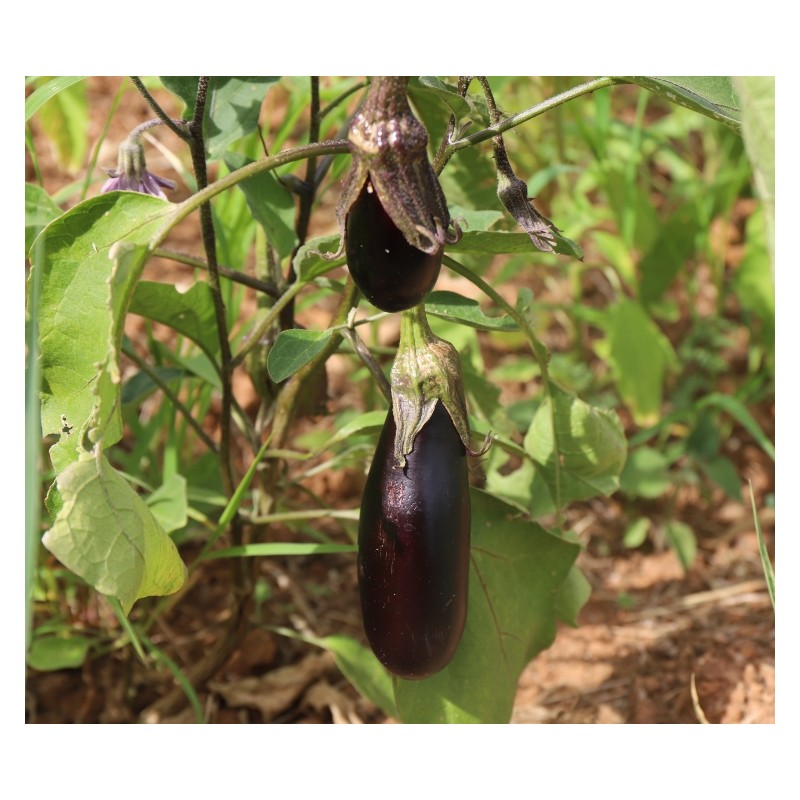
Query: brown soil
[655, 643]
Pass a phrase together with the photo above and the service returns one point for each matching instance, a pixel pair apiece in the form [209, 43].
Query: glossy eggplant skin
[392, 274]
[413, 549]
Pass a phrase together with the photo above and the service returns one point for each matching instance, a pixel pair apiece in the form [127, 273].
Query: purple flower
[131, 173]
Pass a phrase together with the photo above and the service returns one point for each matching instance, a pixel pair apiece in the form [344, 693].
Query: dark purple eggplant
[392, 274]
[413, 549]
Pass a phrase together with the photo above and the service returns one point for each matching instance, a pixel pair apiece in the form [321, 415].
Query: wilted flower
[131, 173]
[513, 194]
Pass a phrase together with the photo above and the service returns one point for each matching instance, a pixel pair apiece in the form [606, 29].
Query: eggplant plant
[460, 548]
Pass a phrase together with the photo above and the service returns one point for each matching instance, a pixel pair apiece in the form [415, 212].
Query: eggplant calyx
[426, 370]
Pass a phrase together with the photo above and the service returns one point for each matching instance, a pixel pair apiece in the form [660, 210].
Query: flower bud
[131, 173]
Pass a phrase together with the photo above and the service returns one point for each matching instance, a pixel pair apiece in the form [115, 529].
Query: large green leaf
[86, 282]
[271, 205]
[589, 448]
[40, 209]
[757, 98]
[168, 503]
[457, 308]
[107, 535]
[517, 570]
[670, 252]
[501, 242]
[709, 94]
[640, 356]
[190, 313]
[232, 106]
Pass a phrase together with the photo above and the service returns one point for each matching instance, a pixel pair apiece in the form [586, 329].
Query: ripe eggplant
[413, 549]
[392, 274]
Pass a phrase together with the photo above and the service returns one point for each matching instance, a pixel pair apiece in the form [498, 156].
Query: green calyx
[130, 160]
[426, 370]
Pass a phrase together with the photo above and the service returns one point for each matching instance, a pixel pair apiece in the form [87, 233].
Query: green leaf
[636, 534]
[272, 549]
[737, 410]
[168, 503]
[190, 313]
[710, 95]
[446, 95]
[517, 569]
[640, 356]
[723, 472]
[457, 308]
[368, 422]
[185, 87]
[590, 449]
[271, 205]
[753, 281]
[292, 350]
[47, 92]
[500, 242]
[359, 665]
[672, 249]
[39, 211]
[681, 537]
[232, 107]
[757, 98]
[646, 473]
[309, 262]
[56, 652]
[472, 220]
[84, 294]
[65, 120]
[107, 535]
[572, 596]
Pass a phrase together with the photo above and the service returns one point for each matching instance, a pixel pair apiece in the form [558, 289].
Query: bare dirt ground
[655, 644]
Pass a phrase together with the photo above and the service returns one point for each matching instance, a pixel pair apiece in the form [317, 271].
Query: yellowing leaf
[106, 534]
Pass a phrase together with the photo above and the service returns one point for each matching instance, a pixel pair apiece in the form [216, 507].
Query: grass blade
[769, 572]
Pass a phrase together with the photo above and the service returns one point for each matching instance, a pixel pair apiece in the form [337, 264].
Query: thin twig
[170, 395]
[232, 274]
[512, 122]
[306, 202]
[363, 352]
[182, 133]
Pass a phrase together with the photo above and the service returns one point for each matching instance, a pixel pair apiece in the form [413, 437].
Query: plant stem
[530, 113]
[181, 133]
[443, 154]
[182, 210]
[198, 152]
[255, 337]
[364, 353]
[231, 274]
[341, 98]
[542, 358]
[170, 395]
[306, 201]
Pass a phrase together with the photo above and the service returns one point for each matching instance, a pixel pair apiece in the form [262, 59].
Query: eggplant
[391, 273]
[413, 549]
